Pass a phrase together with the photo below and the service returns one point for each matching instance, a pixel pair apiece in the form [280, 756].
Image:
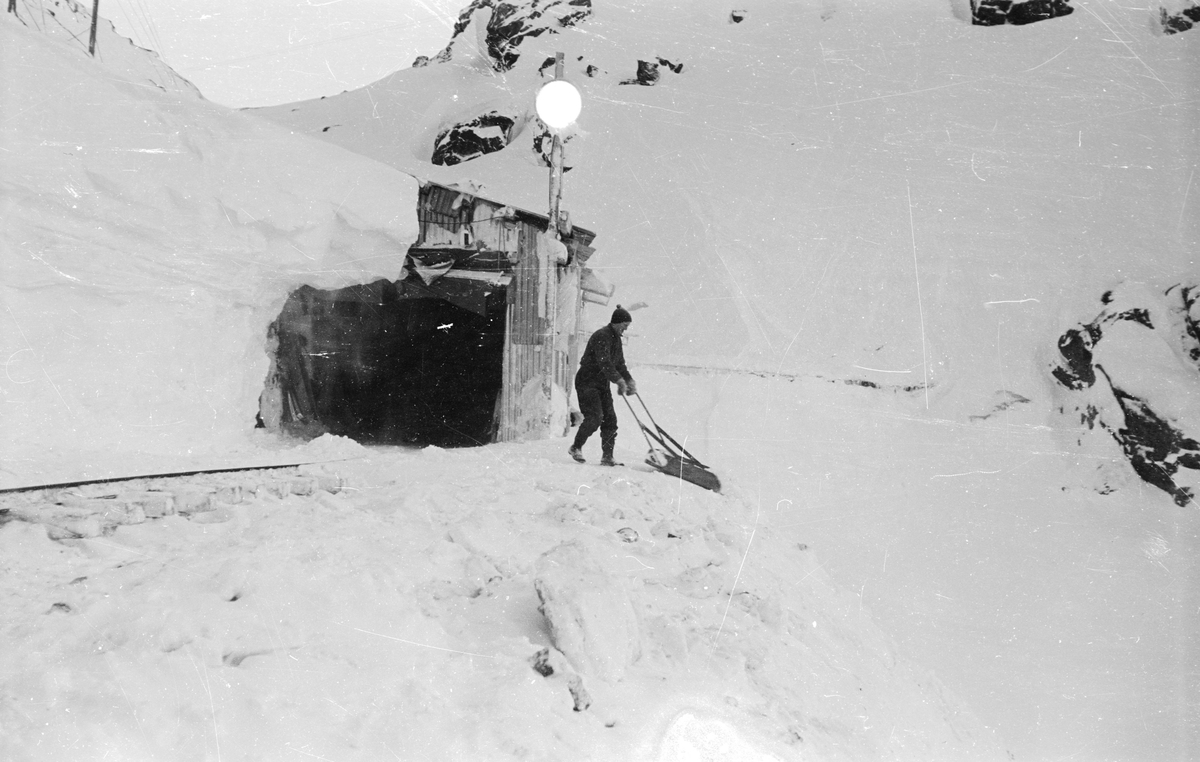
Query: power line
[151, 28]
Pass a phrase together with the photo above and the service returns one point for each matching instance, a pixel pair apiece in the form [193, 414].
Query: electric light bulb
[558, 103]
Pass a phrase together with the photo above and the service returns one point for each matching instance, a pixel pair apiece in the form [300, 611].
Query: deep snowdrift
[486, 604]
[148, 239]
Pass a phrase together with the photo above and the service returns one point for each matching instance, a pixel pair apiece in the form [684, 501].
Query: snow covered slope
[877, 192]
[884, 195]
[147, 240]
[858, 188]
[70, 22]
[497, 603]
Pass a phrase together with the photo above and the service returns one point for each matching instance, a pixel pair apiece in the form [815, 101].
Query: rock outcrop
[484, 134]
[999, 12]
[501, 27]
[1132, 374]
[1182, 17]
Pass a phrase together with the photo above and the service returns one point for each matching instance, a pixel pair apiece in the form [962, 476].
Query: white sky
[277, 51]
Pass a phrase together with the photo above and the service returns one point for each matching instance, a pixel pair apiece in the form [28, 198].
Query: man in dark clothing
[603, 362]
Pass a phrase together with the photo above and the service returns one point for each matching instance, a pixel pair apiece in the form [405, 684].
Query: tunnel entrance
[389, 362]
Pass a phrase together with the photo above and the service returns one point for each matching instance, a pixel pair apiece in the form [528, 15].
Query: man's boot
[608, 443]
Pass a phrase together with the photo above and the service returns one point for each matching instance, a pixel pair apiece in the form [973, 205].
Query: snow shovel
[670, 457]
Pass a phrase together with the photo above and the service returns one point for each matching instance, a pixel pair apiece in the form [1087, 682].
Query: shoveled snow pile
[148, 239]
[485, 604]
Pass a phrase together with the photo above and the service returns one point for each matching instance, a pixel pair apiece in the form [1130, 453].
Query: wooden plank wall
[542, 322]
[527, 310]
[542, 333]
[495, 231]
[566, 341]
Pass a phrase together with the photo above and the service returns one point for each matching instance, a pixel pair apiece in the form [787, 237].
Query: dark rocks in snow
[737, 17]
[1075, 347]
[1005, 400]
[508, 24]
[543, 142]
[1131, 374]
[648, 73]
[549, 663]
[999, 12]
[1155, 448]
[677, 68]
[1181, 21]
[486, 133]
[1191, 322]
[541, 663]
[906, 388]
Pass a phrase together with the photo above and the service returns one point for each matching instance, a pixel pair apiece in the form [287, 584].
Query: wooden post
[556, 162]
[12, 7]
[95, 15]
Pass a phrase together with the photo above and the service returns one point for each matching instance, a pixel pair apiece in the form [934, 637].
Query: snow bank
[148, 239]
[483, 604]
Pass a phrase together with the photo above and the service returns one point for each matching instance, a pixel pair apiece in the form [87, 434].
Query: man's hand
[631, 387]
[622, 387]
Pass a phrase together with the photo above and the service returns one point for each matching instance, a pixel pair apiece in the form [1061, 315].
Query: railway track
[94, 508]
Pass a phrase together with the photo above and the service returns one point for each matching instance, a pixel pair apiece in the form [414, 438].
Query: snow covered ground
[401, 619]
[862, 229]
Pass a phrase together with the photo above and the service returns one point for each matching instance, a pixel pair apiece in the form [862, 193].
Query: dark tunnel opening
[387, 363]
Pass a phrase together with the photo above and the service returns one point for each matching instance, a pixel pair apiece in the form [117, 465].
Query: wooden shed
[477, 339]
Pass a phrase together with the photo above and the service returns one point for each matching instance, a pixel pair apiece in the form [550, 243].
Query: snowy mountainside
[885, 194]
[148, 240]
[852, 188]
[494, 30]
[69, 21]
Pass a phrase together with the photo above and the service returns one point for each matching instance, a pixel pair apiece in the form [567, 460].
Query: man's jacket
[603, 360]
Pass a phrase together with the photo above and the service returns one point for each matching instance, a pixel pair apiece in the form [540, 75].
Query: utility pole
[556, 162]
[95, 15]
[558, 103]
